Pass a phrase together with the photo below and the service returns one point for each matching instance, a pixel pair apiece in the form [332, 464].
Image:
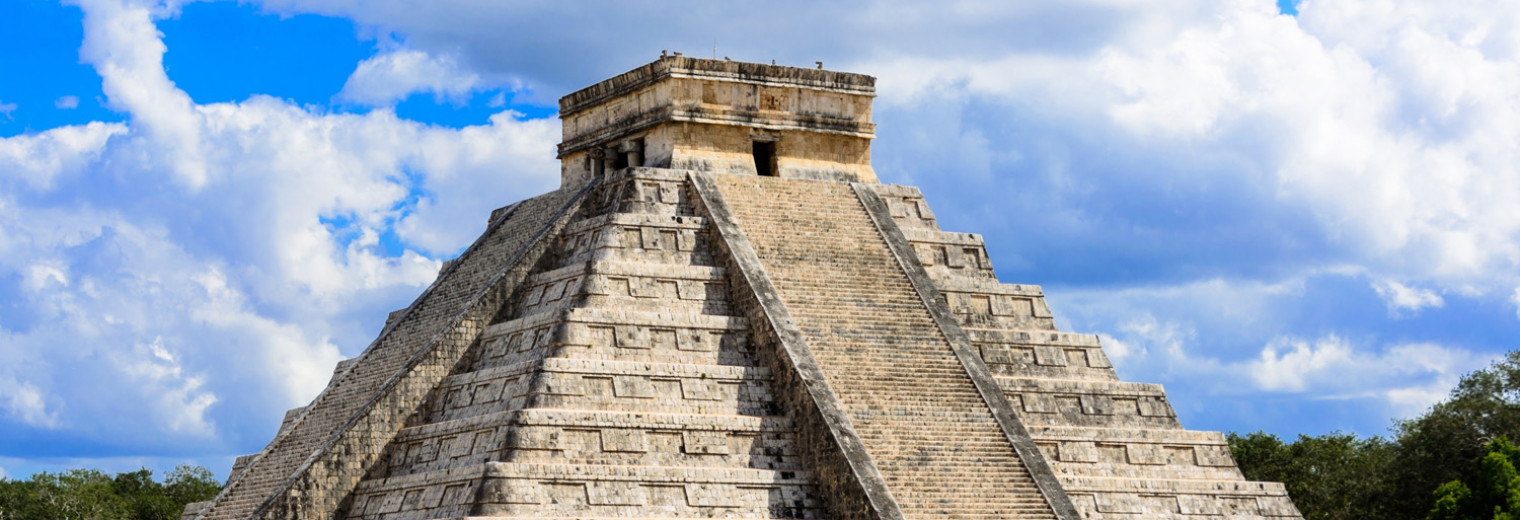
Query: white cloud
[1116, 349]
[7, 108]
[387, 78]
[1168, 338]
[178, 396]
[209, 264]
[64, 151]
[1514, 298]
[287, 349]
[1299, 361]
[25, 402]
[66, 102]
[1410, 377]
[1400, 297]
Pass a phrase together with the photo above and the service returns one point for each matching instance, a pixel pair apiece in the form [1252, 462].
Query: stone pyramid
[722, 314]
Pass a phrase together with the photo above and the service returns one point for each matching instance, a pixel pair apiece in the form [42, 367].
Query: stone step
[948, 256]
[917, 235]
[987, 303]
[626, 285]
[635, 237]
[498, 489]
[982, 286]
[1176, 486]
[596, 437]
[1080, 387]
[1136, 453]
[1029, 337]
[636, 220]
[1163, 498]
[1042, 354]
[623, 270]
[1088, 403]
[604, 385]
[1046, 362]
[600, 333]
[604, 316]
[969, 315]
[651, 191]
[907, 205]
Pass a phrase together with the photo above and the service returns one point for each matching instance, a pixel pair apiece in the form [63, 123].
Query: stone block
[615, 493]
[624, 440]
[504, 491]
[704, 442]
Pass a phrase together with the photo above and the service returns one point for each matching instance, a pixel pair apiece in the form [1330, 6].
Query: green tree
[92, 495]
[185, 484]
[1448, 442]
[1492, 494]
[1330, 477]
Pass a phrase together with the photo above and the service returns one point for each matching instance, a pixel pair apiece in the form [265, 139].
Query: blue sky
[1298, 217]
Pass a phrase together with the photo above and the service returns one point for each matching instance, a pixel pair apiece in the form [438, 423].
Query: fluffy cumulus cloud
[1297, 365]
[392, 76]
[195, 270]
[25, 403]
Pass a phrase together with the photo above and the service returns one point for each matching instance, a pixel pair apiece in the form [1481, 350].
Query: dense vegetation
[82, 494]
[1452, 463]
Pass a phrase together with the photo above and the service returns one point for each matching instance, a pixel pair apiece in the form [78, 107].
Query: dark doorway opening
[765, 157]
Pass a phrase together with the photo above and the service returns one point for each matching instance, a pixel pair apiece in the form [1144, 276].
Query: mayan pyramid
[722, 314]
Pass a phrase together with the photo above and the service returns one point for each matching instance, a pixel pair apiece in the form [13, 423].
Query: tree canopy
[1448, 461]
[86, 494]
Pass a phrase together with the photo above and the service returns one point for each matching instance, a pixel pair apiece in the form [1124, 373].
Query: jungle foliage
[86, 494]
[1446, 464]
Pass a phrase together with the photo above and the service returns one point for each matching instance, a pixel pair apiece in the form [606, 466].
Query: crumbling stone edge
[1002, 410]
[498, 216]
[804, 370]
[511, 273]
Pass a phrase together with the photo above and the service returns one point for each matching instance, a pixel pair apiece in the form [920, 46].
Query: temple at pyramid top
[721, 116]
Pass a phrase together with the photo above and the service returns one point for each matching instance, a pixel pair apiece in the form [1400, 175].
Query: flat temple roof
[724, 70]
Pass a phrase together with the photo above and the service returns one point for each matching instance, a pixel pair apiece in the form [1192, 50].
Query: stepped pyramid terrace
[722, 313]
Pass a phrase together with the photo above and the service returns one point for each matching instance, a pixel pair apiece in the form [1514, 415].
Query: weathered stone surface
[688, 113]
[700, 333]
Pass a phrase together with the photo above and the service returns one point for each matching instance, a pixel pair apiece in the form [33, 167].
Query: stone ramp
[882, 352]
[312, 465]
